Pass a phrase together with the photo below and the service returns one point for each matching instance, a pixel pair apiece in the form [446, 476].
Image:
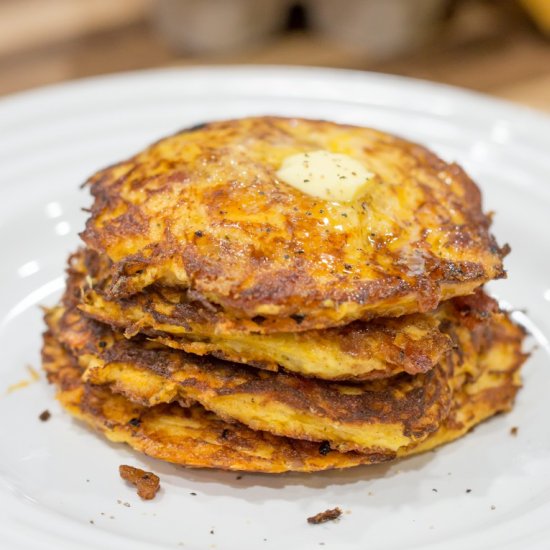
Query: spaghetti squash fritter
[359, 351]
[382, 415]
[189, 436]
[378, 416]
[194, 437]
[204, 211]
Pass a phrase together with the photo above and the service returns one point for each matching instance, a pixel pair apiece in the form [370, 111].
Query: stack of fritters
[219, 317]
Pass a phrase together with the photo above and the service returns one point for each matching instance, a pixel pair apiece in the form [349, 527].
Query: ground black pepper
[324, 448]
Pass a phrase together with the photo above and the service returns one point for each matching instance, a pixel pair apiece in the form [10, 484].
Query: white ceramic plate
[57, 477]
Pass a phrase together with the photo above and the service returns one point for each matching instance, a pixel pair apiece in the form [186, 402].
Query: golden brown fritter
[190, 436]
[382, 415]
[204, 211]
[359, 351]
[376, 416]
[194, 437]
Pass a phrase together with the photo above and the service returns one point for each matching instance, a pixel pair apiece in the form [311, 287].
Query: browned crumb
[514, 430]
[327, 515]
[45, 415]
[147, 483]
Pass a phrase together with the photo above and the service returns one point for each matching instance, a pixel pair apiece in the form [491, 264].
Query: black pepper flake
[468, 490]
[224, 433]
[344, 215]
[434, 490]
[286, 257]
[193, 494]
[348, 267]
[239, 477]
[198, 233]
[298, 317]
[45, 415]
[102, 344]
[321, 211]
[258, 319]
[211, 531]
[324, 448]
[300, 252]
[135, 422]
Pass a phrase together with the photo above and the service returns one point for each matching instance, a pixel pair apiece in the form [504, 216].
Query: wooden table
[502, 56]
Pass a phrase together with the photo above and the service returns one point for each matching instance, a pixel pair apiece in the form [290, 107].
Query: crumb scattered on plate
[147, 483]
[327, 515]
[34, 376]
[514, 430]
[45, 415]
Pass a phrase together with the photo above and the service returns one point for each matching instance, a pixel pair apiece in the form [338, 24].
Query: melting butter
[326, 175]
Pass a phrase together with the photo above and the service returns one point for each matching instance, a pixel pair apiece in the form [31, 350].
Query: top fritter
[210, 210]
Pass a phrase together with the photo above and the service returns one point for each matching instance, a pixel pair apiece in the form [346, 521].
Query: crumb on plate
[147, 483]
[327, 515]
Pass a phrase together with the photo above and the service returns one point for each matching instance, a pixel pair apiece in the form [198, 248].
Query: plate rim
[77, 84]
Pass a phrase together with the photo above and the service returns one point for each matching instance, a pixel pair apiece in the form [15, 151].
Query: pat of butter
[329, 176]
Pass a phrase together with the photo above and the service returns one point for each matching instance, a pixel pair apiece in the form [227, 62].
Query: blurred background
[501, 47]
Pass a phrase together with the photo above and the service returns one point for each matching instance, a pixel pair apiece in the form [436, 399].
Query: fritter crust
[380, 416]
[203, 210]
[359, 351]
[194, 437]
[190, 436]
